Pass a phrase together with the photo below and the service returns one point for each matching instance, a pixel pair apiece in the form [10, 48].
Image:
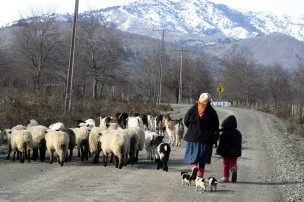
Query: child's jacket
[230, 144]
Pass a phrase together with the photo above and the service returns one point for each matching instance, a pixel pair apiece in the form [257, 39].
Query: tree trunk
[95, 83]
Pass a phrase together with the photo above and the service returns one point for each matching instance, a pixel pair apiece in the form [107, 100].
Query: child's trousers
[229, 163]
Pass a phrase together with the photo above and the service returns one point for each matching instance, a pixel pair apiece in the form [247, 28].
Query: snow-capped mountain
[197, 19]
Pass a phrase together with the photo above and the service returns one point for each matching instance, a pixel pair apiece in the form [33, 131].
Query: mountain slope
[198, 18]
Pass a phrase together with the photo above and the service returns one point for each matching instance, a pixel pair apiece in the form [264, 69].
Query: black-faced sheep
[122, 119]
[105, 121]
[57, 141]
[95, 143]
[21, 141]
[116, 142]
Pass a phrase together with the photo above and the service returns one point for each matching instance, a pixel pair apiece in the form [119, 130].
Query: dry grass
[18, 106]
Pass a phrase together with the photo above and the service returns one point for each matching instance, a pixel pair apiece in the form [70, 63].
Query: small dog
[212, 183]
[200, 182]
[186, 178]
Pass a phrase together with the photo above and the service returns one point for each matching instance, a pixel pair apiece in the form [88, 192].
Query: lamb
[57, 141]
[149, 136]
[72, 141]
[82, 141]
[118, 143]
[57, 126]
[21, 141]
[104, 122]
[38, 134]
[95, 143]
[162, 156]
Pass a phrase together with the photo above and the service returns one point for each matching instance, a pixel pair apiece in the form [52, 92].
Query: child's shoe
[233, 174]
[194, 173]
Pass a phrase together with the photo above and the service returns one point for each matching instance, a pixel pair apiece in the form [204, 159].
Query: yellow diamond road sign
[220, 89]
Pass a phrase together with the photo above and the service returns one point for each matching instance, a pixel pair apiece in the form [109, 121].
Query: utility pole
[180, 88]
[69, 83]
[161, 66]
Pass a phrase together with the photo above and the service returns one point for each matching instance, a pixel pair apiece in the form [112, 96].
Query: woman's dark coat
[201, 130]
[230, 144]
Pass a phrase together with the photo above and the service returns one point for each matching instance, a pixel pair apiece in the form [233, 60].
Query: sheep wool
[57, 141]
[95, 144]
[21, 141]
[117, 143]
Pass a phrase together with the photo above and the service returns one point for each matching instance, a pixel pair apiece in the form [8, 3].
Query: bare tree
[38, 41]
[240, 79]
[99, 52]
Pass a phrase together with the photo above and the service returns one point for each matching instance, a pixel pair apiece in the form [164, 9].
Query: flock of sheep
[120, 139]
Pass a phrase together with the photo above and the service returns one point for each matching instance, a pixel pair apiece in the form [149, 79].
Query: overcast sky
[13, 9]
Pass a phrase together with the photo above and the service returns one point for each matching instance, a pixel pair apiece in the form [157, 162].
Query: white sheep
[149, 136]
[38, 134]
[33, 122]
[21, 141]
[90, 123]
[116, 142]
[82, 141]
[57, 141]
[95, 144]
[57, 126]
[7, 137]
[136, 124]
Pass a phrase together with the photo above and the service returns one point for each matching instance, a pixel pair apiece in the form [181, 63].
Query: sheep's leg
[105, 159]
[96, 157]
[71, 154]
[116, 159]
[18, 155]
[22, 157]
[29, 155]
[111, 158]
[136, 157]
[165, 166]
[66, 156]
[42, 151]
[9, 152]
[86, 151]
[120, 161]
[51, 157]
[34, 154]
[82, 153]
[78, 152]
[14, 155]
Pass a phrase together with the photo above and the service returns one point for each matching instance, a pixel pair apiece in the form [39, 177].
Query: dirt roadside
[79, 181]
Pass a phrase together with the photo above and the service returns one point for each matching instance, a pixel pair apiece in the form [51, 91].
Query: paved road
[79, 181]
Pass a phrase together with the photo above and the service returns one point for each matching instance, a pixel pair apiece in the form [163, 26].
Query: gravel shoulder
[264, 173]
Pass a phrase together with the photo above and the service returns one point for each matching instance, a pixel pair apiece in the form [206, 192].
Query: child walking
[230, 148]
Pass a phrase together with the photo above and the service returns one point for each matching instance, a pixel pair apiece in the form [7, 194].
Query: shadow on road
[271, 183]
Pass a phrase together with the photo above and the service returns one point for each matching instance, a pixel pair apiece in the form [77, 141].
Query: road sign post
[220, 89]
